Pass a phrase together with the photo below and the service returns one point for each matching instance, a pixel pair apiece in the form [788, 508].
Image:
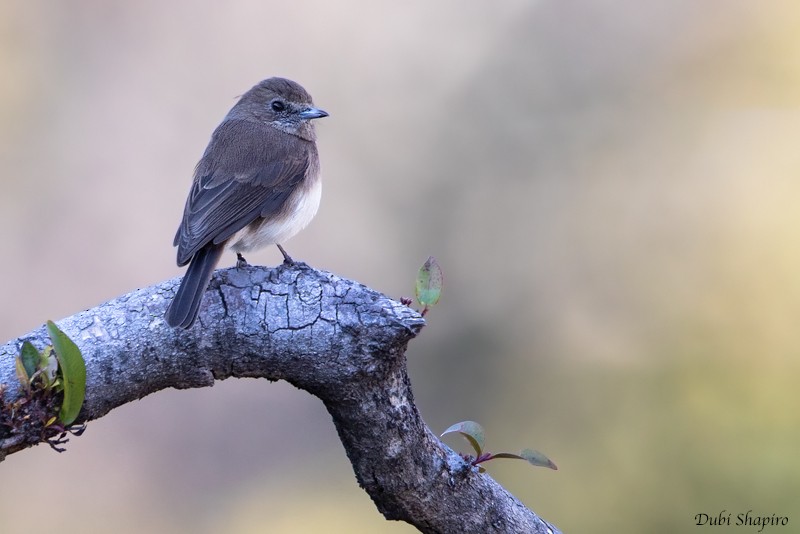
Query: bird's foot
[286, 258]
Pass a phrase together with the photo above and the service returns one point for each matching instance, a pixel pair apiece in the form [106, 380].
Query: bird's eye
[277, 106]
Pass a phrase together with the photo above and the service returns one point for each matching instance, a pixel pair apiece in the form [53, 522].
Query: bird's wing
[247, 172]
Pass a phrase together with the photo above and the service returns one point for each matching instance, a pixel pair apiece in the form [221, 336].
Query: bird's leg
[286, 258]
[240, 261]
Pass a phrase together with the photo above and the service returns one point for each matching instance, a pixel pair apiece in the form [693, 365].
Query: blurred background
[611, 188]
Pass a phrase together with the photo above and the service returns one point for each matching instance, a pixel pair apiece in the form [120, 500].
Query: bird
[257, 184]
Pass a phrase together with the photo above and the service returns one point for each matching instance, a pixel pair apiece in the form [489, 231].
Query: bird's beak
[313, 113]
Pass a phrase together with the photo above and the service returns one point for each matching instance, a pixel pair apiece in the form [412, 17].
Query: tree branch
[335, 338]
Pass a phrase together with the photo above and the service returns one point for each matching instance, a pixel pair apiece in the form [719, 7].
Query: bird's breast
[300, 208]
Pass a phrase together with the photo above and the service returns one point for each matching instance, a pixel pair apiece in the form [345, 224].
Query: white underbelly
[301, 210]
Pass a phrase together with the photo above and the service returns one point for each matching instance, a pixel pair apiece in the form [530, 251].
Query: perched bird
[257, 184]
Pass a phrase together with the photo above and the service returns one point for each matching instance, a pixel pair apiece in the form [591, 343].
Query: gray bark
[335, 338]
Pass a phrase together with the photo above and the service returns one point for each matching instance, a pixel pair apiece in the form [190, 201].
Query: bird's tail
[182, 311]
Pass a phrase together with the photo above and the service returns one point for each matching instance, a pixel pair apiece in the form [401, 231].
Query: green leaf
[537, 458]
[532, 457]
[73, 372]
[470, 430]
[30, 358]
[22, 374]
[429, 283]
[49, 366]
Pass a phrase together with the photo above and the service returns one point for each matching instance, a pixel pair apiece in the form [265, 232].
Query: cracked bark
[335, 338]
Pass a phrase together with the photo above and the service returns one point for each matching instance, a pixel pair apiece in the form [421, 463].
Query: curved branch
[335, 338]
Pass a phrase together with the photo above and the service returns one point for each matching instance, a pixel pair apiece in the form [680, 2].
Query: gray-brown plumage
[257, 184]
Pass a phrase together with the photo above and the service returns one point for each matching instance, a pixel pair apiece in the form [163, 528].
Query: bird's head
[282, 104]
